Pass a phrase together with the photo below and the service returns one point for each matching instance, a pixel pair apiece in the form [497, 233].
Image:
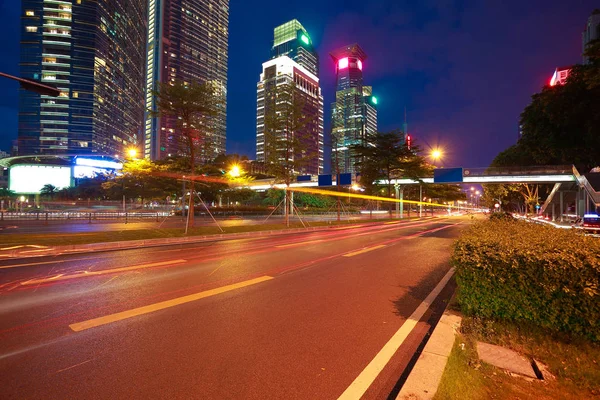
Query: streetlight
[436, 154]
[132, 152]
[235, 171]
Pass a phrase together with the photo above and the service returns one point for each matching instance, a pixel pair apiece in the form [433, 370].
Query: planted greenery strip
[525, 272]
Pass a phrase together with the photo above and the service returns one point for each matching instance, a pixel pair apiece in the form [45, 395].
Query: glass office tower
[93, 51]
[354, 112]
[187, 42]
[293, 59]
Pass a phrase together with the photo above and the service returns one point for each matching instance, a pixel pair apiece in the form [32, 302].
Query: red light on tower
[343, 63]
[408, 140]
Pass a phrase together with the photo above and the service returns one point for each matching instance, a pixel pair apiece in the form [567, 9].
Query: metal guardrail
[79, 215]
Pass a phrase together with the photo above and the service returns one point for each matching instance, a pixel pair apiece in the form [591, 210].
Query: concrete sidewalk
[425, 377]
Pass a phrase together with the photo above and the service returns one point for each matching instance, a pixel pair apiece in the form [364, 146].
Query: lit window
[29, 13]
[75, 95]
[50, 60]
[31, 28]
[63, 94]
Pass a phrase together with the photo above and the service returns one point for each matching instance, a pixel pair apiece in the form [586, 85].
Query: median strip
[101, 272]
[355, 253]
[92, 323]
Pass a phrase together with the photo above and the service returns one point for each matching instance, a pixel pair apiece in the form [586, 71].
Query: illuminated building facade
[292, 40]
[187, 42]
[294, 59]
[354, 112]
[591, 31]
[93, 51]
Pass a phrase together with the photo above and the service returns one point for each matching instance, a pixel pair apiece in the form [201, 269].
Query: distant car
[591, 222]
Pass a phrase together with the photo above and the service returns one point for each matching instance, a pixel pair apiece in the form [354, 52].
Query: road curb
[425, 377]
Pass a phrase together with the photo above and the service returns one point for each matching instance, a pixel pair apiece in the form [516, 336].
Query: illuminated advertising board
[32, 178]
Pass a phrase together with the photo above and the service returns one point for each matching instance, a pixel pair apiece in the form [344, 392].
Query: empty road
[298, 316]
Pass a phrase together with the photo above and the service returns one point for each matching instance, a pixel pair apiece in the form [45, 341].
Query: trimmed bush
[520, 271]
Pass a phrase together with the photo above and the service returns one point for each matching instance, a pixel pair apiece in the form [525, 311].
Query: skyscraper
[591, 30]
[187, 42]
[354, 113]
[294, 60]
[93, 51]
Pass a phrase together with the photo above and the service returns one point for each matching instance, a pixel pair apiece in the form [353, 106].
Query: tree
[139, 179]
[386, 156]
[561, 125]
[48, 190]
[194, 107]
[291, 139]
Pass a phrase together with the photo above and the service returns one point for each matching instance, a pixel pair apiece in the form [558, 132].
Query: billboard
[31, 178]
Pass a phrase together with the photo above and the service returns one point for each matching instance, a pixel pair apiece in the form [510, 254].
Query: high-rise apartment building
[354, 112]
[93, 51]
[187, 42]
[294, 60]
[591, 31]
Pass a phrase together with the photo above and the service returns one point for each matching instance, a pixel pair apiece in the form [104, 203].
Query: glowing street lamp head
[235, 171]
[132, 153]
[436, 154]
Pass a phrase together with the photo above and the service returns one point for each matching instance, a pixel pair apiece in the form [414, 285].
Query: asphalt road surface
[299, 316]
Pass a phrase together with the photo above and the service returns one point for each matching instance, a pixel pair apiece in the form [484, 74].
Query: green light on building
[304, 38]
[374, 100]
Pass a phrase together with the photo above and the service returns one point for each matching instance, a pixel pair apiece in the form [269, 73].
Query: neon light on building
[343, 63]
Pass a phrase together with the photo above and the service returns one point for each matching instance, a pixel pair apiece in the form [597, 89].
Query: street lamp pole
[420, 201]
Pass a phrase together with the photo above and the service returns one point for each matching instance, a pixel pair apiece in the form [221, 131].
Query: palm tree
[193, 107]
[49, 190]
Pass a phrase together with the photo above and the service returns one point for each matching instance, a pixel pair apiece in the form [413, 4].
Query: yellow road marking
[391, 222]
[299, 243]
[101, 272]
[355, 253]
[107, 319]
[35, 246]
[42, 263]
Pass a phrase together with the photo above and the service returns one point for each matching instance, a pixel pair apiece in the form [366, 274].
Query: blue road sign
[303, 178]
[448, 175]
[344, 179]
[325, 180]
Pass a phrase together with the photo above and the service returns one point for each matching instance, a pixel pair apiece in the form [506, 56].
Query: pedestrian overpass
[572, 191]
[549, 175]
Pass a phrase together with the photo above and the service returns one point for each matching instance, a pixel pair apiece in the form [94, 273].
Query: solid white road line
[368, 375]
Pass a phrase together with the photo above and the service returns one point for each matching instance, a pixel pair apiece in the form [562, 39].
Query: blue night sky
[464, 69]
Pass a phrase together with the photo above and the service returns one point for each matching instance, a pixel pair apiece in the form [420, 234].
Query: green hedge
[521, 271]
